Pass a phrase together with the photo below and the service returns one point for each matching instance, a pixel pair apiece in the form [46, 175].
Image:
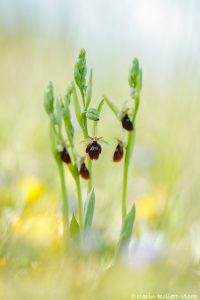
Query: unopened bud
[135, 75]
[92, 114]
[49, 99]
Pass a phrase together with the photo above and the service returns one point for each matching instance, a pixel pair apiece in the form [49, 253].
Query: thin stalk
[79, 196]
[77, 181]
[129, 151]
[89, 162]
[129, 148]
[83, 99]
[65, 200]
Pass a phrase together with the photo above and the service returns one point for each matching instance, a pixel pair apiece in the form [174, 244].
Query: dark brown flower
[84, 172]
[93, 149]
[119, 152]
[65, 157]
[126, 123]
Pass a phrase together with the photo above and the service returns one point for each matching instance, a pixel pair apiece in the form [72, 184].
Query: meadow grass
[164, 183]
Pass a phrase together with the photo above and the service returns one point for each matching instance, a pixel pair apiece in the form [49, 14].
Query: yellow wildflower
[31, 188]
[150, 206]
[45, 229]
[3, 261]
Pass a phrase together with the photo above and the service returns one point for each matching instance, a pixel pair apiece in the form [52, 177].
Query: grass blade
[127, 228]
[74, 227]
[89, 210]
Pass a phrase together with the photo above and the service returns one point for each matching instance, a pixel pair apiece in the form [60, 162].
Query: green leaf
[67, 115]
[59, 111]
[114, 108]
[89, 90]
[100, 105]
[56, 115]
[74, 227]
[127, 228]
[89, 210]
[77, 106]
[53, 139]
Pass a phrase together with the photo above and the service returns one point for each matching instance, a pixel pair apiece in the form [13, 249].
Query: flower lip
[126, 122]
[84, 172]
[93, 150]
[64, 155]
[119, 152]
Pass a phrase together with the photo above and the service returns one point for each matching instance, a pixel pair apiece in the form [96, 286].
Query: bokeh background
[40, 41]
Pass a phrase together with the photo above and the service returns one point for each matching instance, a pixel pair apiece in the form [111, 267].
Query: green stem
[77, 180]
[83, 99]
[79, 197]
[126, 170]
[89, 162]
[129, 151]
[65, 212]
[65, 206]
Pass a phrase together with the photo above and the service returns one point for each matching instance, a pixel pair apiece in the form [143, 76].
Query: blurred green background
[40, 41]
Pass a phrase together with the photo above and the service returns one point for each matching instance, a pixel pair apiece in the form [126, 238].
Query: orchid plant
[63, 145]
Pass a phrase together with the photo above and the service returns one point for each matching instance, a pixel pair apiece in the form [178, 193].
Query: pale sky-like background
[163, 34]
[166, 29]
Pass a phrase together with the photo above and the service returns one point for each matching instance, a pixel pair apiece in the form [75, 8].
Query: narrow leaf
[100, 105]
[127, 228]
[89, 90]
[114, 108]
[77, 106]
[89, 210]
[67, 116]
[59, 111]
[74, 227]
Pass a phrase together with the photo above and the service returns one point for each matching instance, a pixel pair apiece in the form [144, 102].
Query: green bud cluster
[49, 99]
[135, 78]
[80, 71]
